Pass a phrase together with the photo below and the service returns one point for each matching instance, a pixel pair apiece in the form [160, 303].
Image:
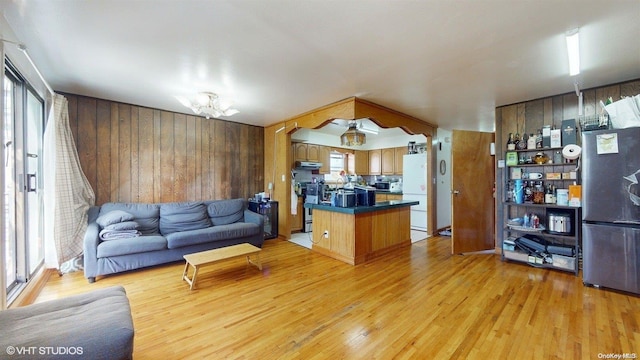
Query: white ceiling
[449, 63]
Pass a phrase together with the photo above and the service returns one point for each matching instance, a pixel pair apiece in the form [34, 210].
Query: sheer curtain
[67, 192]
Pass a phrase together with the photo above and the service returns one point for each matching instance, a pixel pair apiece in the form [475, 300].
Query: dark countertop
[382, 205]
[388, 192]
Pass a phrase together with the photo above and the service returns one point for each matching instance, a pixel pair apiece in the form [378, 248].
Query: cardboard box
[564, 262]
[516, 173]
[556, 138]
[571, 175]
[511, 158]
[568, 132]
[553, 176]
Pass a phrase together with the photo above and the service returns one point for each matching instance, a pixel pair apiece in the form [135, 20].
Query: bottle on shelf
[522, 143]
[511, 143]
[531, 142]
[539, 139]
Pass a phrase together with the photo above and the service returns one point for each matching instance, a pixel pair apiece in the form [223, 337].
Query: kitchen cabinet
[313, 152]
[306, 152]
[325, 159]
[375, 164]
[299, 152]
[387, 197]
[361, 162]
[388, 157]
[562, 250]
[296, 220]
[399, 154]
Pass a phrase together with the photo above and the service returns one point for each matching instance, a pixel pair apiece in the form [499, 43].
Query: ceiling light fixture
[353, 136]
[209, 105]
[573, 49]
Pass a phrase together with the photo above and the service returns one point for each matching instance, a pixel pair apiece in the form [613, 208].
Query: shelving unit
[542, 210]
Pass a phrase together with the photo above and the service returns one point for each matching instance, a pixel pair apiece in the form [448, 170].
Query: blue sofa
[167, 232]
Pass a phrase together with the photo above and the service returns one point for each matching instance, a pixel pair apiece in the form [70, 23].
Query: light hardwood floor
[419, 302]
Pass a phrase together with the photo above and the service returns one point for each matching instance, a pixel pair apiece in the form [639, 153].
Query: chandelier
[353, 136]
[209, 105]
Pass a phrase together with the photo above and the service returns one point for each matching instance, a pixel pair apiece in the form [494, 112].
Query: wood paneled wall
[529, 116]
[137, 154]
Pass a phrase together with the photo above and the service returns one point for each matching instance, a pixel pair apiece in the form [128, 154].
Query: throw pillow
[184, 216]
[127, 225]
[113, 217]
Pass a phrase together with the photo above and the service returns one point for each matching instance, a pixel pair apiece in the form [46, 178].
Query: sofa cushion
[224, 212]
[135, 245]
[183, 216]
[219, 232]
[113, 217]
[146, 215]
[97, 324]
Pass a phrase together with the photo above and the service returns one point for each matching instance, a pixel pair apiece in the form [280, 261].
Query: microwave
[382, 185]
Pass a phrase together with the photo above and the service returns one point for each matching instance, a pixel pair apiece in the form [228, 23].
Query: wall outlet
[326, 234]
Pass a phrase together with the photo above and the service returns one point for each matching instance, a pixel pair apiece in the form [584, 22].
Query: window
[336, 165]
[23, 133]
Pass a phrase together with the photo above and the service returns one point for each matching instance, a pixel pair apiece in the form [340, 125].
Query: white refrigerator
[414, 188]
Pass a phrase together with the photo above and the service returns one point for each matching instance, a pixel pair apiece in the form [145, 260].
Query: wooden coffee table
[212, 256]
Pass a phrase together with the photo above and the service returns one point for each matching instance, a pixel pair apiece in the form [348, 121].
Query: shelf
[542, 210]
[529, 204]
[538, 165]
[536, 150]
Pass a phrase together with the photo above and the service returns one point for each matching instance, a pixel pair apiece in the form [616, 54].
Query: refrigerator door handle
[631, 222]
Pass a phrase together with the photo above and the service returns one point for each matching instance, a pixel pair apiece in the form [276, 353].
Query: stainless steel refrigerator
[611, 209]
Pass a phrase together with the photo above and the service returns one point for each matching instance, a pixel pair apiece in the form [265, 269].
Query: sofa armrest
[252, 217]
[90, 243]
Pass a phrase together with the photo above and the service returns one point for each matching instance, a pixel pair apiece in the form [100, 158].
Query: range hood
[308, 165]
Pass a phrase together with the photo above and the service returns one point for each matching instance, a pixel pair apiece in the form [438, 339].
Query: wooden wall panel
[138, 154]
[103, 163]
[145, 154]
[86, 145]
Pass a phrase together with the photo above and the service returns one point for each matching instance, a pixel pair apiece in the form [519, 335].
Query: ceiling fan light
[209, 105]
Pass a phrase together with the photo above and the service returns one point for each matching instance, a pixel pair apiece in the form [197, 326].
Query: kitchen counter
[383, 205]
[358, 234]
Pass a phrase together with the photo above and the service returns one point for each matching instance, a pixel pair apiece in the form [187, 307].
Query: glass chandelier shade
[353, 137]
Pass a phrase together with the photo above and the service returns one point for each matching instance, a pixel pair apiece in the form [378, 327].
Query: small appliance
[365, 195]
[345, 199]
[395, 187]
[382, 185]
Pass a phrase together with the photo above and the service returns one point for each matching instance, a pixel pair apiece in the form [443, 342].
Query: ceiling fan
[365, 125]
[209, 105]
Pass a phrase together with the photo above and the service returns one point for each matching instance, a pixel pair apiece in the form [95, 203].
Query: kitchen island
[357, 234]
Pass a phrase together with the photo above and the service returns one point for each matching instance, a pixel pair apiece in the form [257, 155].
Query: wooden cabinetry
[325, 158]
[388, 158]
[313, 152]
[375, 162]
[361, 162]
[387, 197]
[399, 154]
[299, 151]
[296, 220]
[514, 208]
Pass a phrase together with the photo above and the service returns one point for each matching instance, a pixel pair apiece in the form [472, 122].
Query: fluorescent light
[573, 49]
